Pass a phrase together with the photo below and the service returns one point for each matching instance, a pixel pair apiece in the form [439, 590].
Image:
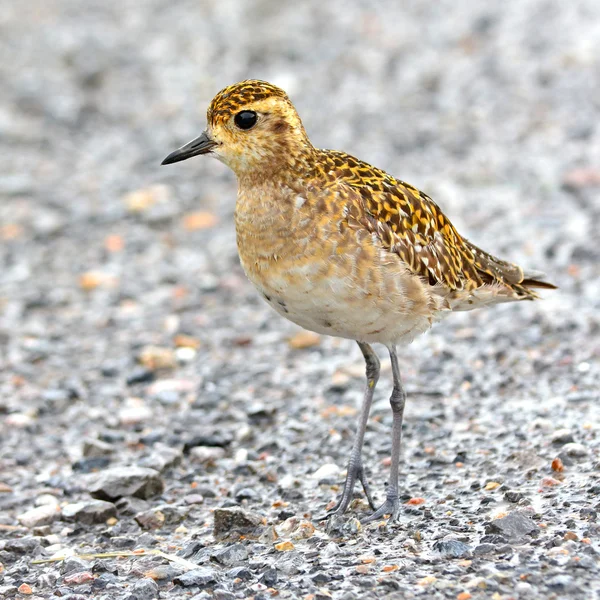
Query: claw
[391, 507]
[355, 472]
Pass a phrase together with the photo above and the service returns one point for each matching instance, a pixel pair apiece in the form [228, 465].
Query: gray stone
[146, 540]
[173, 514]
[230, 555]
[89, 513]
[562, 436]
[8, 591]
[561, 583]
[241, 572]
[130, 506]
[452, 548]
[46, 580]
[247, 493]
[484, 549]
[269, 577]
[73, 564]
[223, 595]
[145, 589]
[200, 577]
[513, 496]
[162, 458]
[234, 522]
[583, 562]
[94, 448]
[290, 563]
[117, 482]
[320, 577]
[494, 538]
[24, 545]
[515, 526]
[17, 184]
[150, 519]
[202, 596]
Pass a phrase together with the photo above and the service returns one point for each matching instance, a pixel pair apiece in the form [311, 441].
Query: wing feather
[409, 223]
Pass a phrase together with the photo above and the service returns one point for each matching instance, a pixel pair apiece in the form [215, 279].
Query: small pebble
[151, 519]
[114, 483]
[79, 578]
[514, 526]
[90, 512]
[326, 471]
[235, 522]
[41, 515]
[193, 499]
[574, 450]
[25, 589]
[145, 589]
[200, 577]
[93, 448]
[204, 454]
[46, 500]
[452, 548]
[230, 556]
[562, 436]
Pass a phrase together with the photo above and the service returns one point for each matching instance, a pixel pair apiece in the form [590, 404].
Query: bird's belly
[333, 297]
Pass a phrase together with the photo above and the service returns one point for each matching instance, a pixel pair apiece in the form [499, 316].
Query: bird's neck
[290, 166]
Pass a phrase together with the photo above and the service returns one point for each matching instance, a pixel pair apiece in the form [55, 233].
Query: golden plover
[344, 249]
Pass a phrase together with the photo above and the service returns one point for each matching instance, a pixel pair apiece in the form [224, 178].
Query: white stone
[206, 453]
[185, 354]
[136, 412]
[575, 450]
[327, 471]
[241, 456]
[41, 515]
[46, 500]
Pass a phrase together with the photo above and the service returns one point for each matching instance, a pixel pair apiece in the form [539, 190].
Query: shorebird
[342, 248]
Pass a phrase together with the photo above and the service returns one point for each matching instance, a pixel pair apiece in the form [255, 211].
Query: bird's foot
[355, 473]
[391, 507]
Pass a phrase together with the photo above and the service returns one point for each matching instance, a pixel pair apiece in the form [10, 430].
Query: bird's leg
[355, 466]
[397, 400]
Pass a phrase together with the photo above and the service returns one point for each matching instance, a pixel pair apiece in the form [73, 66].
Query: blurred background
[130, 336]
[492, 110]
[117, 273]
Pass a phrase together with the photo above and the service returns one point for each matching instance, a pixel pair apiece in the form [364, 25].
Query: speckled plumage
[341, 247]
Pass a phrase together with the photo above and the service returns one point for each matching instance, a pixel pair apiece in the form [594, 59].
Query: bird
[342, 248]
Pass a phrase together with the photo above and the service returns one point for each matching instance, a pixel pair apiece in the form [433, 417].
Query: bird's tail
[536, 279]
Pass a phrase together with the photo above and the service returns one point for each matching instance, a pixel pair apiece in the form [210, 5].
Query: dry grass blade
[123, 553]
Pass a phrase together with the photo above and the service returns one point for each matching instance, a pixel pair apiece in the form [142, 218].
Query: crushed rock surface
[149, 400]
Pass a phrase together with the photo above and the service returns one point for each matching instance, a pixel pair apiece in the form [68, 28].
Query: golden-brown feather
[410, 223]
[313, 222]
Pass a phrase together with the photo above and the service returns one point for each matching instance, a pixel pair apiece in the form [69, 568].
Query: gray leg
[355, 466]
[397, 400]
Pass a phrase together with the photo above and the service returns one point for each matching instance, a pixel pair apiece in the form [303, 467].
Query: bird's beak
[203, 144]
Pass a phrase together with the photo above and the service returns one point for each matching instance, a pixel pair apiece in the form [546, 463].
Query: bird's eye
[245, 119]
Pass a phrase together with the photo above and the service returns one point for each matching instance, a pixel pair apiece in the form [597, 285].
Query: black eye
[245, 119]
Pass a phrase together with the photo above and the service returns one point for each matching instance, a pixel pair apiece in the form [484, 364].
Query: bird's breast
[325, 277]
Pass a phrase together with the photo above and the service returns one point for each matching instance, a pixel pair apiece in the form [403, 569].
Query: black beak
[201, 145]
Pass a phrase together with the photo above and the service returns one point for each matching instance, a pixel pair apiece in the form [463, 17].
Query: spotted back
[409, 223]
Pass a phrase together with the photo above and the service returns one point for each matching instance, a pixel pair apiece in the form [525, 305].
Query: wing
[409, 223]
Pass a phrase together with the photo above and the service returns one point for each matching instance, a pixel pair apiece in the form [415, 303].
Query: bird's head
[253, 128]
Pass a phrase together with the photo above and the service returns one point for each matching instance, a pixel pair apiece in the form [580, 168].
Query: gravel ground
[148, 397]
